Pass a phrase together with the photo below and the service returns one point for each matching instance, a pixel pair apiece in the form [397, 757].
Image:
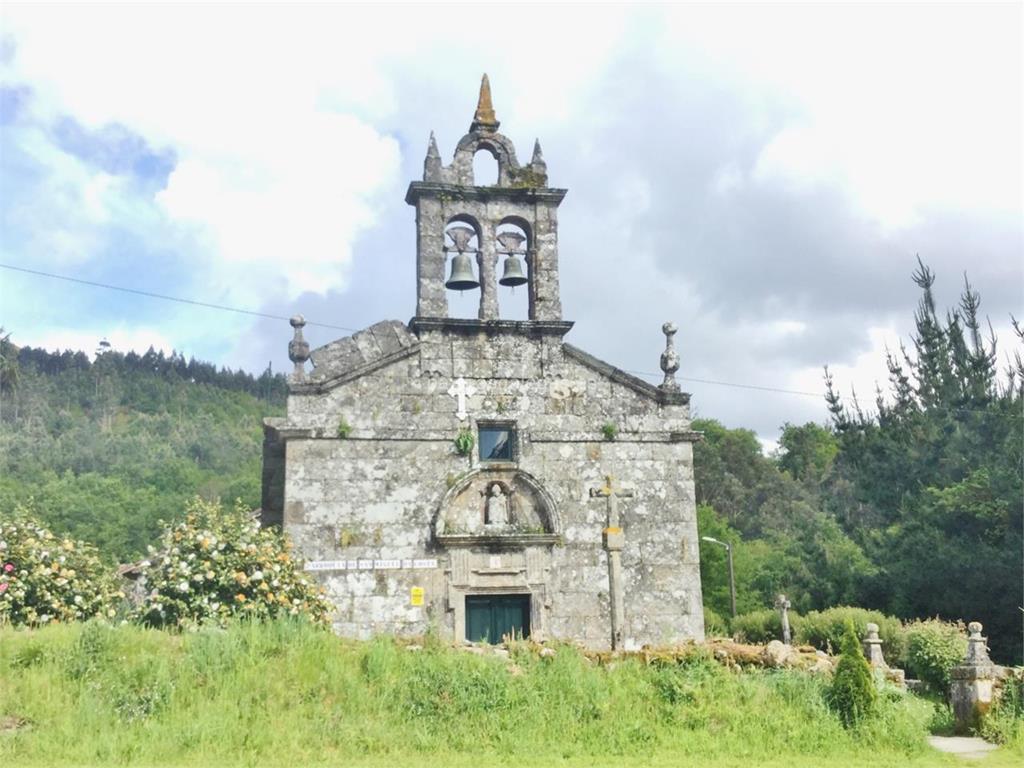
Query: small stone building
[483, 477]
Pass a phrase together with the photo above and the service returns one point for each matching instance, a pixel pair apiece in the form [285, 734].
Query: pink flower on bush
[8, 567]
[3, 587]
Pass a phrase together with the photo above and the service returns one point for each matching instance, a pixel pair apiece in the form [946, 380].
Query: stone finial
[298, 348]
[873, 647]
[432, 162]
[977, 646]
[484, 120]
[669, 358]
[537, 161]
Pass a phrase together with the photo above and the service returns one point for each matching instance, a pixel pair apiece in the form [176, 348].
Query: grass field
[286, 694]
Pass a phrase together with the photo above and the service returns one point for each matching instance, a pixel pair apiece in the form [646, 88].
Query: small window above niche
[497, 441]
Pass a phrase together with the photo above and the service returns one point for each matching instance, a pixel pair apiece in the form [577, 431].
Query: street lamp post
[732, 577]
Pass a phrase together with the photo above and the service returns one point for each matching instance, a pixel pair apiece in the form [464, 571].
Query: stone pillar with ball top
[973, 681]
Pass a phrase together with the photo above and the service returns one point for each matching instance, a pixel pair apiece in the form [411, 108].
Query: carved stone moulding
[467, 515]
[498, 540]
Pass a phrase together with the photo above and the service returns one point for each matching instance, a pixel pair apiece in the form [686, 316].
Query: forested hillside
[105, 448]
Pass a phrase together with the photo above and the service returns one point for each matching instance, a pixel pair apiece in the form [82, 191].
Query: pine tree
[852, 695]
[930, 485]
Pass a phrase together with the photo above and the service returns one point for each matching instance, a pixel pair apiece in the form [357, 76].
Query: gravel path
[970, 747]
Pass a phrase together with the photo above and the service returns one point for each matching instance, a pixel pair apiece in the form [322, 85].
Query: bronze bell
[462, 277]
[513, 275]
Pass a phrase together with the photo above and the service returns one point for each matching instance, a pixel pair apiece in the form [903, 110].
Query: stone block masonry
[407, 528]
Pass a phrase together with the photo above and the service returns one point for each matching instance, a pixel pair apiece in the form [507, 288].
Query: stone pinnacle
[484, 120]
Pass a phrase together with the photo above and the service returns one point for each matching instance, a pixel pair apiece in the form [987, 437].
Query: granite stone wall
[374, 502]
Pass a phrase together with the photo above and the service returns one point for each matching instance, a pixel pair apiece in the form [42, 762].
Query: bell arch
[498, 146]
[486, 169]
[463, 240]
[513, 245]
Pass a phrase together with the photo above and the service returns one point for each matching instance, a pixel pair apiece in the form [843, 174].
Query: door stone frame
[537, 594]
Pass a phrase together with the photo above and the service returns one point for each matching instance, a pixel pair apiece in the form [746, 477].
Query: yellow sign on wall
[416, 596]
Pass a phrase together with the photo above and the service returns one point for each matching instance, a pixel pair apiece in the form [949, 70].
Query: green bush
[220, 563]
[824, 629]
[715, 625]
[45, 578]
[1004, 723]
[934, 647]
[763, 626]
[852, 694]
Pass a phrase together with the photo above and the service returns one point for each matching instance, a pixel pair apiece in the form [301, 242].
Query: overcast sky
[763, 175]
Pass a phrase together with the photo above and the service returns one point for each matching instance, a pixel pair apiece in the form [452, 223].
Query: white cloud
[271, 177]
[904, 107]
[860, 376]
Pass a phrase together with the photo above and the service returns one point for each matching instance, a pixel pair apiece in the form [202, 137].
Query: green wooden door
[491, 617]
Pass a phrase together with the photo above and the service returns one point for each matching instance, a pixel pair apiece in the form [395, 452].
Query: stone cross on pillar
[460, 391]
[784, 605]
[613, 540]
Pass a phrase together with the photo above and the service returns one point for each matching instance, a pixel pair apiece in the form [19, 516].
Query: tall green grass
[286, 693]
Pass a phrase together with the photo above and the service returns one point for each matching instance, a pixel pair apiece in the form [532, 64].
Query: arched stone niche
[492, 506]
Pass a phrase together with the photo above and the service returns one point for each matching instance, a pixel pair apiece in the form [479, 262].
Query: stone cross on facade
[460, 391]
[613, 541]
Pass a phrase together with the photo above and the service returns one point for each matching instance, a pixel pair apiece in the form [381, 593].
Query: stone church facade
[477, 477]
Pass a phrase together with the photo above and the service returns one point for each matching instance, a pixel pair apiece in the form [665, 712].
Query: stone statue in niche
[493, 503]
[497, 512]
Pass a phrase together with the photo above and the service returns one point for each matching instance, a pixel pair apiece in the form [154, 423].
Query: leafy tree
[807, 452]
[783, 540]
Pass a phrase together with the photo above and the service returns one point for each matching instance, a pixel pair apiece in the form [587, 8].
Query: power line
[165, 297]
[731, 384]
[268, 316]
[789, 391]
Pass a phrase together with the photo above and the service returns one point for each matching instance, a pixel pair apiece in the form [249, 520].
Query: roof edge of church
[351, 357]
[618, 375]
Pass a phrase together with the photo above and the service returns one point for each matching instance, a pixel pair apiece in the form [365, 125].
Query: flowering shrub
[46, 578]
[220, 563]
